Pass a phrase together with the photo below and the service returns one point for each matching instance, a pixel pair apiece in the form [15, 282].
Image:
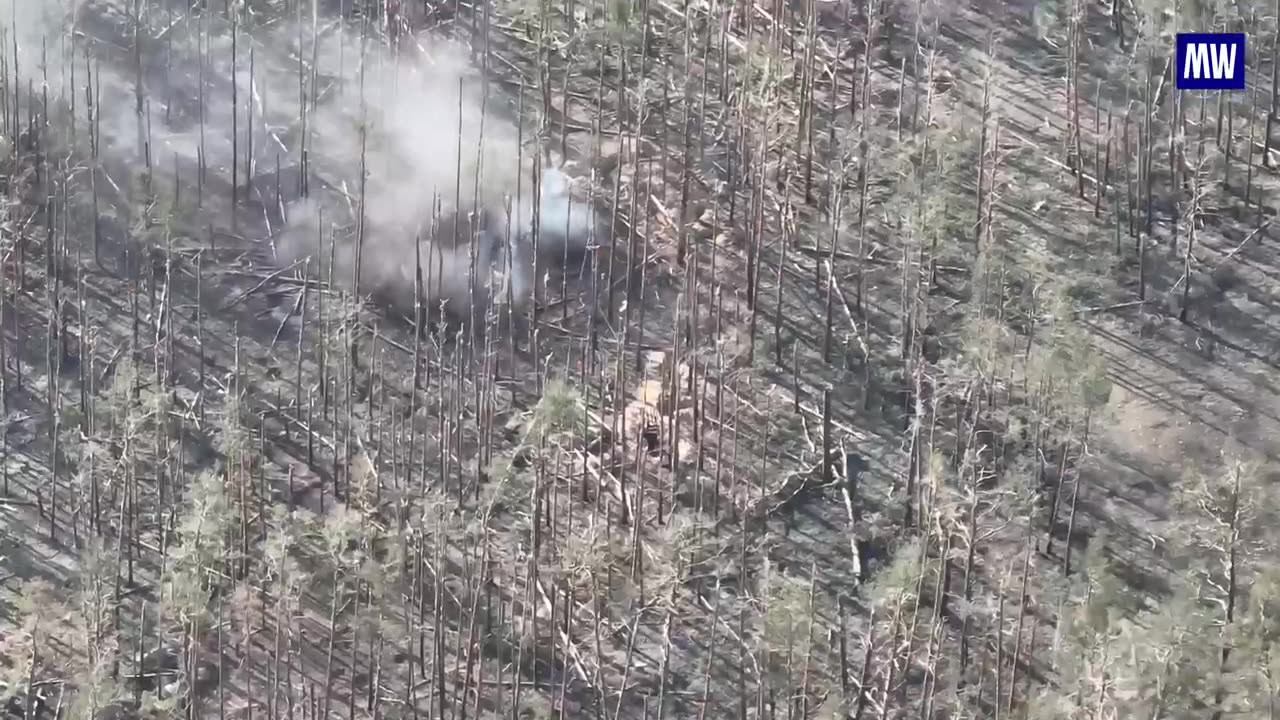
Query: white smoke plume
[438, 158]
[37, 26]
[434, 149]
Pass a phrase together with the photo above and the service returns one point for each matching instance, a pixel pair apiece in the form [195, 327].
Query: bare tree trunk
[1274, 110]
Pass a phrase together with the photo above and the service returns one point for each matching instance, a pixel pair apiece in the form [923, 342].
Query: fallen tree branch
[238, 298]
[1243, 242]
[853, 324]
[854, 553]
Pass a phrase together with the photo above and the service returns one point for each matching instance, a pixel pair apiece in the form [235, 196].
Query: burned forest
[637, 359]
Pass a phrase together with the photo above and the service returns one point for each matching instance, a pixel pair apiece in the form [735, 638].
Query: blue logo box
[1210, 61]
